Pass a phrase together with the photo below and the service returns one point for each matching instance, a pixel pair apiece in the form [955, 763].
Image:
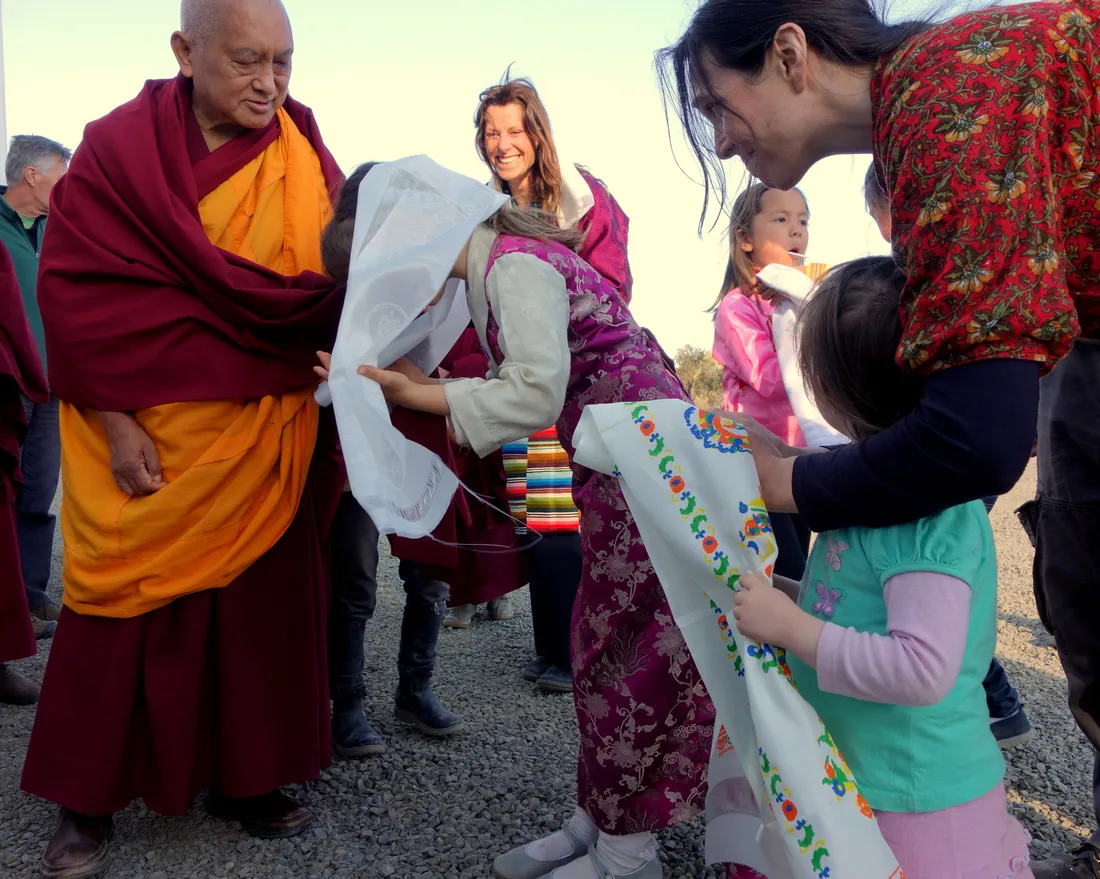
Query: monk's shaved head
[237, 54]
[201, 19]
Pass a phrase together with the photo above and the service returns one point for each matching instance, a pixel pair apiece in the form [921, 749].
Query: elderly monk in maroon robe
[182, 305]
[20, 376]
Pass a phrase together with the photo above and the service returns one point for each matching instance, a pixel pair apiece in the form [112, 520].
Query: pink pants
[977, 840]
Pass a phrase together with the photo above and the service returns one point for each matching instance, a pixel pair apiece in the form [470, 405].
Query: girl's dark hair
[874, 194]
[736, 34]
[339, 234]
[337, 238]
[739, 269]
[848, 336]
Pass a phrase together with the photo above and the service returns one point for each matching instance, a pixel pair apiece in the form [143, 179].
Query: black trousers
[1064, 524]
[355, 595]
[792, 539]
[555, 576]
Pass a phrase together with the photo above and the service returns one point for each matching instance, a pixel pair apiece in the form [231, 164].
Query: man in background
[34, 165]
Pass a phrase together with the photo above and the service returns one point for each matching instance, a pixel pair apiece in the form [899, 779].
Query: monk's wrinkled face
[241, 72]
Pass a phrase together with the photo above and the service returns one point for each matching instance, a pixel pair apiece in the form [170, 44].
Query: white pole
[3, 102]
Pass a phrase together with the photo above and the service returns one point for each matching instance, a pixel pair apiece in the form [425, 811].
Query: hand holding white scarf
[795, 290]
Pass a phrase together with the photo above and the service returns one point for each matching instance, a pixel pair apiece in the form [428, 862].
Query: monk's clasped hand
[135, 463]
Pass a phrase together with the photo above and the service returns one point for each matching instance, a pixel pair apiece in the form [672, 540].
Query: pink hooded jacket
[751, 378]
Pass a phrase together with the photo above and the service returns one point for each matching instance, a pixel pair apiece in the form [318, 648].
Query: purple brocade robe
[646, 720]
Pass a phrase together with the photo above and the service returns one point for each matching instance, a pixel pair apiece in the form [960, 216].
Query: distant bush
[701, 375]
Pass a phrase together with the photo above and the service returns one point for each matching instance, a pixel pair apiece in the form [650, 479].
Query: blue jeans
[41, 464]
[1001, 697]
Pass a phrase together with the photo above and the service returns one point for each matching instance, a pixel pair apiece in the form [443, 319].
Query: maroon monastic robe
[20, 376]
[228, 687]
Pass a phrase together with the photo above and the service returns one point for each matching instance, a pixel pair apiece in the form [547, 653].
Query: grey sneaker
[651, 869]
[51, 612]
[535, 669]
[460, 617]
[517, 864]
[500, 609]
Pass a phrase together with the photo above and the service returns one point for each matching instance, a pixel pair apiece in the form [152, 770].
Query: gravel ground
[445, 809]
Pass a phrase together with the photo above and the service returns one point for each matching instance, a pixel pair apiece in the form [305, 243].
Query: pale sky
[390, 79]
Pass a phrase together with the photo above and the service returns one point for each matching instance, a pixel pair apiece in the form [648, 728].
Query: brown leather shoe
[43, 629]
[79, 847]
[272, 816]
[15, 689]
[50, 612]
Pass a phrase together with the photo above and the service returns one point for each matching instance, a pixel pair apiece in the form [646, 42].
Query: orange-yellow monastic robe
[234, 470]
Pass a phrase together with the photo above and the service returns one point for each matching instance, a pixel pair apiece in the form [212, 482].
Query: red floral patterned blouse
[987, 137]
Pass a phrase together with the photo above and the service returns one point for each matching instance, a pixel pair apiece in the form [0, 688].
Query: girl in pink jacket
[767, 227]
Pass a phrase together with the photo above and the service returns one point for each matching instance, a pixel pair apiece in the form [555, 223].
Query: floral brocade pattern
[646, 720]
[987, 130]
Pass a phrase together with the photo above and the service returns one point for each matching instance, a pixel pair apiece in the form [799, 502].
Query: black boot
[352, 735]
[425, 607]
[417, 706]
[354, 592]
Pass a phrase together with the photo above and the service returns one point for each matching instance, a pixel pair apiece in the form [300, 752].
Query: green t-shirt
[905, 758]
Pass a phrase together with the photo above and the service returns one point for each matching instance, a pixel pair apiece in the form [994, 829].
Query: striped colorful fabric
[550, 508]
[515, 471]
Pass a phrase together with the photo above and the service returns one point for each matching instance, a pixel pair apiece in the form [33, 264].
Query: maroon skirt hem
[16, 631]
[223, 689]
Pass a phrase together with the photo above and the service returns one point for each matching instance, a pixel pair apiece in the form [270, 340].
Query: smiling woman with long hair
[513, 136]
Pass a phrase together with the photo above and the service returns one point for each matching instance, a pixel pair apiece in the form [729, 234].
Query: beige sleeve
[531, 304]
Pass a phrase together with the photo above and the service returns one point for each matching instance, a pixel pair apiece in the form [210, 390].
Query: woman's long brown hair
[546, 173]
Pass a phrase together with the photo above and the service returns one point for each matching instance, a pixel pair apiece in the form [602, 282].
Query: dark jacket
[24, 245]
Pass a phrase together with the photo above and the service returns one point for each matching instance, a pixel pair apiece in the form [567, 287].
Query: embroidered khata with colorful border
[691, 485]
